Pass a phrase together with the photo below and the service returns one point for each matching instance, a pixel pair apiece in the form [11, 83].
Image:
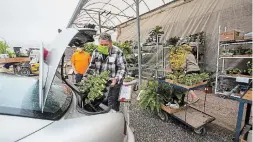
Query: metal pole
[138, 39]
[79, 6]
[217, 64]
[223, 60]
[99, 22]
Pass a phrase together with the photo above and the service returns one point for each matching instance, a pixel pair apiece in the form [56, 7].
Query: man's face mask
[103, 49]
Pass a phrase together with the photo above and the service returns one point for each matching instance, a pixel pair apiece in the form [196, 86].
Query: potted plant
[92, 88]
[155, 94]
[231, 52]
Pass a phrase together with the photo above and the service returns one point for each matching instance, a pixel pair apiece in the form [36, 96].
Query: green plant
[249, 51]
[3, 47]
[172, 41]
[91, 88]
[126, 47]
[191, 79]
[249, 66]
[155, 94]
[89, 47]
[11, 54]
[156, 31]
[129, 79]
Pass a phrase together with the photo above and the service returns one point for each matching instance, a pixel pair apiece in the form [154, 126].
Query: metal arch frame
[129, 7]
[145, 4]
[105, 4]
[100, 8]
[93, 17]
[95, 10]
[106, 17]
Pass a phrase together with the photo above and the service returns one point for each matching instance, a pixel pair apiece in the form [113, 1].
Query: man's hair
[105, 36]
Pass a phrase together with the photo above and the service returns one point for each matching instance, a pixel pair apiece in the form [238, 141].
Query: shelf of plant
[235, 76]
[239, 42]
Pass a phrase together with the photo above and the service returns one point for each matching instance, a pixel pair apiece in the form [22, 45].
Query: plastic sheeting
[192, 17]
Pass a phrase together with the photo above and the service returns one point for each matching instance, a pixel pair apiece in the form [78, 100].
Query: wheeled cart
[190, 116]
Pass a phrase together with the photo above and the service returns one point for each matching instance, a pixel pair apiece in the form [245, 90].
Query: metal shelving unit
[155, 51]
[221, 74]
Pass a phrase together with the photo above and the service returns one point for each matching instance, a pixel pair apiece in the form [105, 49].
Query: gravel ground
[149, 128]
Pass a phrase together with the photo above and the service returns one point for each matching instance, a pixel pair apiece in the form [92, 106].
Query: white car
[48, 109]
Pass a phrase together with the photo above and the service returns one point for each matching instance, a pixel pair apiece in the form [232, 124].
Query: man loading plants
[109, 58]
[80, 62]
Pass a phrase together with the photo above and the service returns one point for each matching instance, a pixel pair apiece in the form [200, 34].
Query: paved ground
[148, 128]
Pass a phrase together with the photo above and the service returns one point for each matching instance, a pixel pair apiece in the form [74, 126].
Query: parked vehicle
[48, 109]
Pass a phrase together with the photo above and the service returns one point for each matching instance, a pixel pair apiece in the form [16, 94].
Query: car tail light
[45, 54]
[125, 127]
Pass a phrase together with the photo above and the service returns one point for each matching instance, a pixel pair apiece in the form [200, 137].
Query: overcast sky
[33, 21]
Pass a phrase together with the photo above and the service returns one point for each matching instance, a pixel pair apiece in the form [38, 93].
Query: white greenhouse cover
[112, 12]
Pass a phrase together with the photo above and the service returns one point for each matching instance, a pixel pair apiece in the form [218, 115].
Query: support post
[138, 39]
[99, 22]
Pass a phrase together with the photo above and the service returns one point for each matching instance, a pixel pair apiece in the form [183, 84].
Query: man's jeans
[79, 77]
[113, 97]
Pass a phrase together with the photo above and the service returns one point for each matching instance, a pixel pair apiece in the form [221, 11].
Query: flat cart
[190, 116]
[16, 61]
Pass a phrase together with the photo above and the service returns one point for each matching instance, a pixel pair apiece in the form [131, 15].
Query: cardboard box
[231, 36]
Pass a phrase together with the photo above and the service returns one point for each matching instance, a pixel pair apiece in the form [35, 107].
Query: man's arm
[92, 64]
[121, 64]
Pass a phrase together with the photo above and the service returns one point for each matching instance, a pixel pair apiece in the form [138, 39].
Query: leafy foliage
[189, 79]
[11, 54]
[89, 47]
[3, 47]
[126, 47]
[155, 94]
[157, 30]
[93, 86]
[172, 41]
[177, 56]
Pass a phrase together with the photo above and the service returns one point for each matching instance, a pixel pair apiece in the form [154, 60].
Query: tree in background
[3, 47]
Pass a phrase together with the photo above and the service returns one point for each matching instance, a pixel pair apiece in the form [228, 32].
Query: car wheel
[25, 72]
[163, 116]
[200, 131]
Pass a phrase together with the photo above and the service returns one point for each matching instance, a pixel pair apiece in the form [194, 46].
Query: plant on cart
[92, 88]
[155, 94]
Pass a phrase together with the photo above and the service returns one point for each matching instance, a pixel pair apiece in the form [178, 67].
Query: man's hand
[114, 81]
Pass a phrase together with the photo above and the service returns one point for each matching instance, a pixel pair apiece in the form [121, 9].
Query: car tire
[163, 116]
[25, 72]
